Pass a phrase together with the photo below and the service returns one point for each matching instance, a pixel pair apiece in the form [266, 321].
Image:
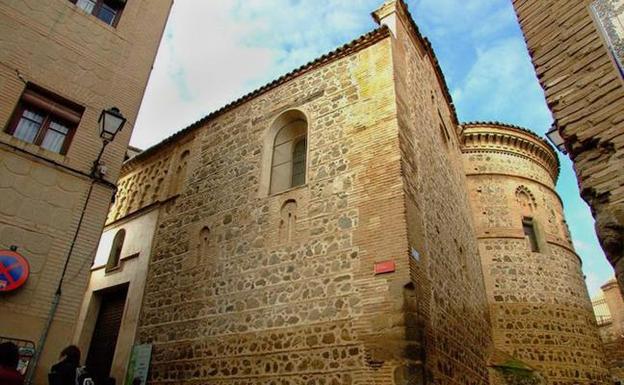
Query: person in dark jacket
[9, 357]
[64, 372]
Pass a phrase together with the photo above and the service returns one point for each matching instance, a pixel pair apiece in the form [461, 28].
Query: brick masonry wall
[57, 46]
[539, 306]
[252, 306]
[255, 307]
[449, 304]
[585, 93]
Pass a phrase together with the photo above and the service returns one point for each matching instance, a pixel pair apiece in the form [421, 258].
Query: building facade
[539, 306]
[62, 63]
[577, 48]
[609, 311]
[319, 230]
[301, 243]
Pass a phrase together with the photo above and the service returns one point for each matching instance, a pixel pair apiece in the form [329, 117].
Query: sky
[213, 52]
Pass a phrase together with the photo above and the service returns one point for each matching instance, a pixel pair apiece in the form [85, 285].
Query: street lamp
[556, 139]
[111, 122]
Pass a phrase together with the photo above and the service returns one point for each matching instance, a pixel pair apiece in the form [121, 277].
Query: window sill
[93, 19]
[131, 256]
[302, 186]
[112, 270]
[32, 148]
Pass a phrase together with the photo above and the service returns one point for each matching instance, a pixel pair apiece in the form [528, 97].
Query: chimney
[390, 13]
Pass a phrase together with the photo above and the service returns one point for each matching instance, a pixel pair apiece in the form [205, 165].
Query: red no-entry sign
[14, 270]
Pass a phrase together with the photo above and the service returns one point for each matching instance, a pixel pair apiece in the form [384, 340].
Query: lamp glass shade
[556, 139]
[111, 122]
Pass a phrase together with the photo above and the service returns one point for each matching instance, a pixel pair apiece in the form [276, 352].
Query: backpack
[83, 377]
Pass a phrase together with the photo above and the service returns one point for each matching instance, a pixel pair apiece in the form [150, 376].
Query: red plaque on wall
[385, 267]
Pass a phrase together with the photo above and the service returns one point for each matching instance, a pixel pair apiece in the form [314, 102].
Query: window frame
[50, 114]
[294, 141]
[98, 7]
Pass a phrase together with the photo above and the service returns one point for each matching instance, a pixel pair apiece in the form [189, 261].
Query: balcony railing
[601, 311]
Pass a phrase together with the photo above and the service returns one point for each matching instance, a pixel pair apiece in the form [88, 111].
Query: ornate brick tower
[539, 306]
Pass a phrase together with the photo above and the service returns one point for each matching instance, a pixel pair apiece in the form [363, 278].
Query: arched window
[288, 164]
[115, 253]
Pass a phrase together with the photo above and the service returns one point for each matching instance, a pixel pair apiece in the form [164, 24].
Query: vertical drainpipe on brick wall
[57, 295]
[95, 176]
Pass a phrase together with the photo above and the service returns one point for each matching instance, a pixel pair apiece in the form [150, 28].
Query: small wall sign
[139, 364]
[384, 267]
[14, 270]
[415, 254]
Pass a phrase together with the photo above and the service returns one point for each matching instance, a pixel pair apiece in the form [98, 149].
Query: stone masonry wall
[255, 306]
[254, 303]
[585, 92]
[539, 306]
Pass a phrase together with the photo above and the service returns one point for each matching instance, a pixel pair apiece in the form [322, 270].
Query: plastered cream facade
[131, 272]
[368, 270]
[78, 59]
[577, 47]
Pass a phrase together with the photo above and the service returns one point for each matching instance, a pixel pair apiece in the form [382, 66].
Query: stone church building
[340, 226]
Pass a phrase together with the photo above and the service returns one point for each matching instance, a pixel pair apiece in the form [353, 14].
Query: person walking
[9, 358]
[64, 371]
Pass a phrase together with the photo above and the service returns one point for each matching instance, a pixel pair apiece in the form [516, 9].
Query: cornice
[503, 138]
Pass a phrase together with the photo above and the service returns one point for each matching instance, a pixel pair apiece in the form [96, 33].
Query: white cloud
[216, 51]
[581, 246]
[501, 86]
[200, 66]
[457, 17]
[593, 282]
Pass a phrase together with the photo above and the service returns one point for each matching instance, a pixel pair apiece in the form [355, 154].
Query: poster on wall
[138, 367]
